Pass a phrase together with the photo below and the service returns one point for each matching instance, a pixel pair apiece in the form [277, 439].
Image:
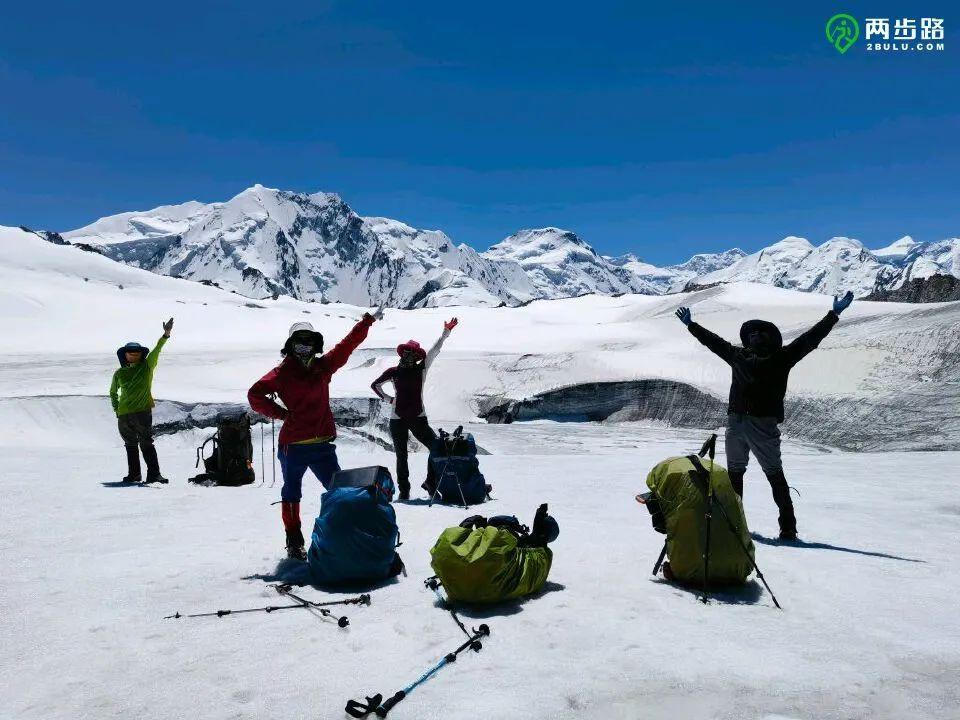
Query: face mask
[302, 349]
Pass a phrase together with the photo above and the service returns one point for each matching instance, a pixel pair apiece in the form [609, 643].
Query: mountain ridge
[269, 242]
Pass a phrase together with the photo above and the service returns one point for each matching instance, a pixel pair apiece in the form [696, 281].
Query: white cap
[298, 326]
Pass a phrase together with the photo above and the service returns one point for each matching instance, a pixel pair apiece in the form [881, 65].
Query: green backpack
[482, 561]
[678, 502]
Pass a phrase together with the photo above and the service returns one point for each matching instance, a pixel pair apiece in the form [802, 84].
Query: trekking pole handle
[389, 703]
[357, 709]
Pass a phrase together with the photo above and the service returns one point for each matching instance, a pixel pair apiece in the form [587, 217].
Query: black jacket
[760, 379]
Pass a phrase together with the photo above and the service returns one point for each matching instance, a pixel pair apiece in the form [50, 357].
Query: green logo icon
[842, 31]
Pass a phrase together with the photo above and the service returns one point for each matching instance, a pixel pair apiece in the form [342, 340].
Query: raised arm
[377, 385]
[153, 357]
[714, 343]
[259, 396]
[806, 343]
[337, 358]
[435, 350]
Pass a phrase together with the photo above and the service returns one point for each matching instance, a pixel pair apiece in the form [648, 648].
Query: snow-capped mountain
[840, 264]
[271, 242]
[315, 247]
[560, 264]
[674, 278]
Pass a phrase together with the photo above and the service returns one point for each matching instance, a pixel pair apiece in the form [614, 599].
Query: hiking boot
[786, 536]
[296, 553]
[404, 494]
[133, 464]
[295, 543]
[156, 479]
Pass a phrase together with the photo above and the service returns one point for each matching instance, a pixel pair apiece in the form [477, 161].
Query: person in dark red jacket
[409, 415]
[302, 382]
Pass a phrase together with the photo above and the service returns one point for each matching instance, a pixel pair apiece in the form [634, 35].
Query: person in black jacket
[755, 409]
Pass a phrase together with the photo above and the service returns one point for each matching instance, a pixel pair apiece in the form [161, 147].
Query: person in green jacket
[132, 400]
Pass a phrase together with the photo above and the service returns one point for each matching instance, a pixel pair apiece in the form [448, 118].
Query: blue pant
[321, 458]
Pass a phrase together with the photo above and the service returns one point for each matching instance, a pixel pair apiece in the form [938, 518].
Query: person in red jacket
[302, 382]
[408, 414]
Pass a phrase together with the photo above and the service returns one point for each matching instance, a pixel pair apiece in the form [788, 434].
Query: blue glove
[843, 303]
[684, 315]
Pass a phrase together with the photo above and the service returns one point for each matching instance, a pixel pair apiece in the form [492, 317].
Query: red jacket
[305, 391]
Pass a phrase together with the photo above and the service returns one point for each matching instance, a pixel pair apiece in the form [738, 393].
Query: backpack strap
[473, 522]
[510, 523]
[699, 475]
[202, 446]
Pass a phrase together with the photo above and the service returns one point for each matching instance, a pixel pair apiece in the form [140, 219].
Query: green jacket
[130, 391]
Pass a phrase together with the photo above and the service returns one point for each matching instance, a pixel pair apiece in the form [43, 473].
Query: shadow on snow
[763, 540]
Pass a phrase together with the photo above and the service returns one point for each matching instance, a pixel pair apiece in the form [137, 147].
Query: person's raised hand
[450, 324]
[684, 314]
[841, 304]
[376, 314]
[168, 327]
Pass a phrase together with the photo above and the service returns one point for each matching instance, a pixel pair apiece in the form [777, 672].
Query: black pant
[136, 429]
[400, 432]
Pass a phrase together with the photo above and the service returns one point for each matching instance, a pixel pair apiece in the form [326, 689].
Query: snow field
[868, 631]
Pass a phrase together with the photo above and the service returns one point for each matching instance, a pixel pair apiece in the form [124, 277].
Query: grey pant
[136, 428]
[759, 435]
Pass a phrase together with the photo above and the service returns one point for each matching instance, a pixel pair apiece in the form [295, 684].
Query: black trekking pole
[376, 704]
[446, 446]
[659, 563]
[709, 445]
[707, 517]
[756, 569]
[302, 604]
[273, 455]
[434, 584]
[263, 472]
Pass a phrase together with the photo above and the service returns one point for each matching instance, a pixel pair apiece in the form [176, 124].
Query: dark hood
[131, 347]
[764, 326]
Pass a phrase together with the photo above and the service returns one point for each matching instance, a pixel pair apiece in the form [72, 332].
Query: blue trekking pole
[381, 707]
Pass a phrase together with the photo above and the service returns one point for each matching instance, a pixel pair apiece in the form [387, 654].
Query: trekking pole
[381, 707]
[443, 472]
[273, 454]
[301, 604]
[284, 589]
[263, 473]
[659, 563]
[756, 569]
[434, 584]
[708, 516]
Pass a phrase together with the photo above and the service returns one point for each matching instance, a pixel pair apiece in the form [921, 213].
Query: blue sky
[658, 130]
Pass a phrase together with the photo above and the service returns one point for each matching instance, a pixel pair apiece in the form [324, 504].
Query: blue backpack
[456, 469]
[356, 535]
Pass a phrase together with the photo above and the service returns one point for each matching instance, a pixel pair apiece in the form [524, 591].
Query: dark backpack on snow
[231, 459]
